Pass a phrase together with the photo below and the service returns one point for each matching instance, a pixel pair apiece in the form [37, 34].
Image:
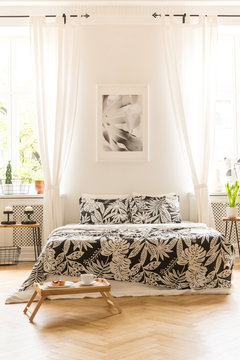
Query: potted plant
[232, 194]
[39, 182]
[24, 178]
[8, 186]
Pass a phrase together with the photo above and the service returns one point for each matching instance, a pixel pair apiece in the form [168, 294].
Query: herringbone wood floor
[205, 327]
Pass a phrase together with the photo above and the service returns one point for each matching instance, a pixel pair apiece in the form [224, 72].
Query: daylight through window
[18, 134]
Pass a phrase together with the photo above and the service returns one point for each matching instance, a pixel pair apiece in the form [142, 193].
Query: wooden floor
[205, 327]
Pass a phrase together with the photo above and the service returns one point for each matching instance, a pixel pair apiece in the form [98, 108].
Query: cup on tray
[87, 279]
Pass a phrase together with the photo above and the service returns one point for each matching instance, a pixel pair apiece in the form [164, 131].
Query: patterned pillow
[104, 211]
[154, 209]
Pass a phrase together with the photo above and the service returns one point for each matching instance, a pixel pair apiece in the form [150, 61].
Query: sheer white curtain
[190, 53]
[56, 59]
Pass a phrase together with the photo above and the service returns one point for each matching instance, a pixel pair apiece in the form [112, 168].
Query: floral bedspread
[170, 257]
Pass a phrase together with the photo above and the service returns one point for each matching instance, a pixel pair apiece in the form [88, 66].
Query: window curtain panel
[190, 54]
[56, 52]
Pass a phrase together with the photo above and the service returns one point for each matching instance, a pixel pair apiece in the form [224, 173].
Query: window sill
[22, 196]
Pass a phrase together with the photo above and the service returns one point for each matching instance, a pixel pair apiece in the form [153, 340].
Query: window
[227, 144]
[18, 135]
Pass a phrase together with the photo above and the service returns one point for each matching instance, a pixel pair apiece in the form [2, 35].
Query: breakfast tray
[100, 285]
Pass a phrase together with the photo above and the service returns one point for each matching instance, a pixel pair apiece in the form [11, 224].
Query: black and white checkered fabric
[219, 211]
[24, 236]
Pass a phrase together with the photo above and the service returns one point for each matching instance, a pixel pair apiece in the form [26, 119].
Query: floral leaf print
[213, 251]
[225, 273]
[137, 247]
[74, 268]
[159, 248]
[104, 211]
[75, 255]
[60, 269]
[173, 259]
[120, 266]
[49, 261]
[60, 258]
[151, 250]
[85, 219]
[154, 209]
[66, 246]
[152, 266]
[164, 249]
[175, 279]
[143, 256]
[99, 267]
[196, 278]
[138, 277]
[96, 217]
[210, 276]
[37, 275]
[214, 284]
[191, 255]
[116, 247]
[84, 245]
[212, 258]
[224, 283]
[164, 215]
[135, 269]
[100, 207]
[218, 262]
[179, 248]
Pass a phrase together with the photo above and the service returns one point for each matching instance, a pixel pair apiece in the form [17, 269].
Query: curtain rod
[184, 16]
[155, 15]
[27, 16]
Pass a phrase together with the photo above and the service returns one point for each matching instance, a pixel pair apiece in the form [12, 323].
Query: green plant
[232, 193]
[38, 175]
[3, 110]
[23, 175]
[28, 173]
[9, 173]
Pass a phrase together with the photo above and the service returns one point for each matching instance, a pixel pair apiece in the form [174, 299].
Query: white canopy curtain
[56, 49]
[190, 53]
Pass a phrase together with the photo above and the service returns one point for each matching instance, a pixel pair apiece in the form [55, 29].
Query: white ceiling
[219, 3]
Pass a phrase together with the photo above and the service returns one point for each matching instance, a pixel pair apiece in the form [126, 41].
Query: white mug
[87, 278]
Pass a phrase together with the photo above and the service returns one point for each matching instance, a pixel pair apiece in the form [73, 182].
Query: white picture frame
[122, 122]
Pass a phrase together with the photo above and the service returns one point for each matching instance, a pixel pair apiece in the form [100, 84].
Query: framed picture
[122, 122]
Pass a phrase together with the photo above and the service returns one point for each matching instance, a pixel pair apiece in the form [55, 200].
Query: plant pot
[7, 189]
[39, 186]
[232, 212]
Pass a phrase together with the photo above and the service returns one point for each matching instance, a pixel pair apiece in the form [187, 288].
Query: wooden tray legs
[110, 300]
[31, 317]
[105, 294]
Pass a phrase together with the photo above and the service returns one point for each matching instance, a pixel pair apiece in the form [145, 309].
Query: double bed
[172, 257]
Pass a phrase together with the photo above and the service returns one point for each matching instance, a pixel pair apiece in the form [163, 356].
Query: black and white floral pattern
[185, 258]
[154, 209]
[104, 211]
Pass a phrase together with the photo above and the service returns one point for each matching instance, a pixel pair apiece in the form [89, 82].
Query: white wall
[124, 54]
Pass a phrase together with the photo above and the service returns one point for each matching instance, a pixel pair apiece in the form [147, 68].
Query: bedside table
[232, 221]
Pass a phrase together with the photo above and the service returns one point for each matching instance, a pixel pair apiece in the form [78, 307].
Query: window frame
[13, 94]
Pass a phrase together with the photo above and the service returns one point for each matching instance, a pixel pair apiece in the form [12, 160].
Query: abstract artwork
[122, 122]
